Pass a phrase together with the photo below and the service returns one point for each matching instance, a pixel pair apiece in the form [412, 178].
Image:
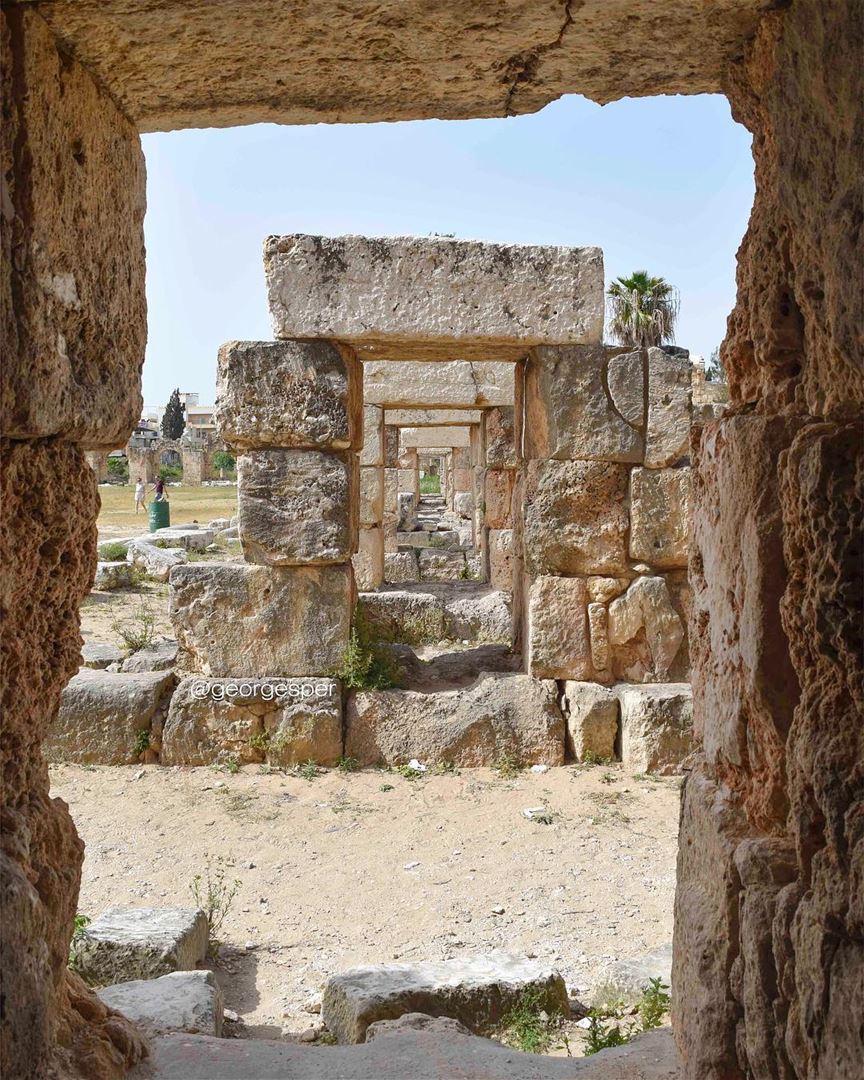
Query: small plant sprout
[214, 894]
[508, 765]
[365, 664]
[142, 742]
[82, 921]
[111, 551]
[654, 1004]
[138, 630]
[529, 1026]
[348, 764]
[308, 770]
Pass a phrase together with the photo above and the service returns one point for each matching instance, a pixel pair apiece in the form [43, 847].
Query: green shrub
[138, 630]
[508, 765]
[365, 664]
[347, 764]
[112, 552]
[118, 468]
[81, 923]
[430, 485]
[603, 1033]
[142, 742]
[528, 1026]
[654, 1004]
[308, 770]
[214, 894]
[171, 472]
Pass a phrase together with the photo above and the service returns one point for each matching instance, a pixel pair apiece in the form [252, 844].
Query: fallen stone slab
[159, 657]
[500, 714]
[191, 537]
[392, 292]
[188, 1001]
[431, 1051]
[477, 991]
[409, 618]
[656, 726]
[140, 943]
[438, 565]
[281, 721]
[484, 617]
[217, 524]
[627, 979]
[155, 561]
[430, 537]
[113, 575]
[98, 656]
[104, 716]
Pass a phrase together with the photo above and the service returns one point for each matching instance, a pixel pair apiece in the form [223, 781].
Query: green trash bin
[159, 515]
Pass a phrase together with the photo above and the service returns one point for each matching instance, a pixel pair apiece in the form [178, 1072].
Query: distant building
[200, 419]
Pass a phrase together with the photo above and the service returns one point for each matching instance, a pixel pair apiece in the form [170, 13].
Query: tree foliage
[174, 420]
[714, 370]
[643, 310]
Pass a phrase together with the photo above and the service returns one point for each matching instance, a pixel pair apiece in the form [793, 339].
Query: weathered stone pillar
[197, 465]
[98, 462]
[369, 560]
[143, 461]
[604, 498]
[409, 471]
[73, 332]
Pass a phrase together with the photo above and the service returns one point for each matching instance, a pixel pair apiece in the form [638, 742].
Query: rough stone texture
[463, 504]
[281, 721]
[187, 1001]
[140, 943]
[501, 559]
[517, 60]
[407, 617]
[500, 438]
[558, 643]
[393, 297]
[236, 620]
[407, 511]
[426, 437]
[656, 726]
[102, 713]
[668, 426]
[477, 991]
[301, 394]
[498, 498]
[568, 412]
[400, 567]
[625, 380]
[371, 496]
[575, 517]
[112, 575]
[486, 617]
[368, 560]
[372, 452]
[456, 383]
[414, 1046]
[591, 712]
[660, 516]
[77, 340]
[189, 537]
[598, 631]
[437, 565]
[156, 562]
[627, 979]
[647, 606]
[98, 656]
[500, 713]
[159, 657]
[297, 506]
[433, 417]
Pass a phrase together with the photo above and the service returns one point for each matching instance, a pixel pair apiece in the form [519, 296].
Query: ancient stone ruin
[768, 940]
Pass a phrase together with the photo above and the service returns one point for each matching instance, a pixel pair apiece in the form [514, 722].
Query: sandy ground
[341, 870]
[202, 504]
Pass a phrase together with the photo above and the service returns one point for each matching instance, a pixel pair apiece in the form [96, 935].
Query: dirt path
[370, 867]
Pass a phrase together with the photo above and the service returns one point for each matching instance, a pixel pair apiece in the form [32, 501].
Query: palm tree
[642, 310]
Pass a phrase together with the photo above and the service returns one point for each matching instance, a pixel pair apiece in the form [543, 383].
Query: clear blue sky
[663, 184]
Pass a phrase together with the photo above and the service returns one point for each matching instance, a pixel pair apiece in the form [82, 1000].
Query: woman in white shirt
[139, 495]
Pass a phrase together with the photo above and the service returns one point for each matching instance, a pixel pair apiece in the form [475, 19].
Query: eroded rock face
[233, 619]
[500, 438]
[500, 713]
[558, 642]
[386, 295]
[368, 560]
[668, 423]
[647, 606]
[415, 384]
[592, 720]
[656, 726]
[288, 394]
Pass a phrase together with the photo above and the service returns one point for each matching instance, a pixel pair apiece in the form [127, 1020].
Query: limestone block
[406, 617]
[409, 480]
[427, 437]
[373, 436]
[433, 417]
[185, 1001]
[603, 589]
[433, 294]
[498, 497]
[460, 456]
[500, 438]
[102, 714]
[407, 511]
[462, 480]
[472, 726]
[575, 517]
[140, 943]
[660, 516]
[558, 642]
[282, 721]
[400, 567]
[98, 656]
[598, 632]
[371, 496]
[297, 506]
[501, 559]
[391, 443]
[73, 251]
[484, 618]
[463, 504]
[156, 562]
[233, 619]
[568, 412]
[454, 383]
[424, 538]
[438, 565]
[591, 712]
[289, 394]
[647, 605]
[368, 560]
[656, 726]
[112, 575]
[667, 436]
[477, 991]
[190, 537]
[625, 378]
[161, 656]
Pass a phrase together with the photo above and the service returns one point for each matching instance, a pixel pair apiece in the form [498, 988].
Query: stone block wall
[602, 498]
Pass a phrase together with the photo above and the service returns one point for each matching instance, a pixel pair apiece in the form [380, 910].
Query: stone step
[412, 617]
[413, 1046]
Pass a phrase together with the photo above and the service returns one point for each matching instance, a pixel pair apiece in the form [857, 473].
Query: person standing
[159, 490]
[139, 496]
